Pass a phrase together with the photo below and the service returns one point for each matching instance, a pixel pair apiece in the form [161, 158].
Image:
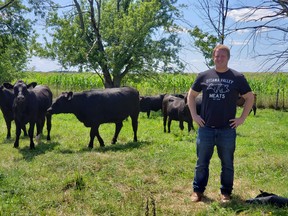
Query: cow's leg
[40, 124]
[8, 125]
[39, 127]
[190, 125]
[169, 124]
[95, 132]
[118, 126]
[148, 114]
[24, 130]
[164, 122]
[135, 127]
[31, 133]
[181, 125]
[49, 125]
[254, 109]
[18, 132]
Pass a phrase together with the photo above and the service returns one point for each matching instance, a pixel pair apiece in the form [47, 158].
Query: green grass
[64, 177]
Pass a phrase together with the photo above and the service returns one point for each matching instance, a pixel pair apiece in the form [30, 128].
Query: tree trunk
[117, 81]
[108, 83]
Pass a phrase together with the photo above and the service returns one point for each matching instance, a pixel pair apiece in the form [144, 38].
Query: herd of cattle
[32, 103]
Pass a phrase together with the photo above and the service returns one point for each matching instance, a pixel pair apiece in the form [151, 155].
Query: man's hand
[199, 120]
[236, 122]
[249, 100]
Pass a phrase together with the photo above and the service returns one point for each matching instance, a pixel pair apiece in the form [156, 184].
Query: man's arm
[249, 101]
[191, 101]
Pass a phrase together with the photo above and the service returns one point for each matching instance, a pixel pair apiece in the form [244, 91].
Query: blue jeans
[224, 140]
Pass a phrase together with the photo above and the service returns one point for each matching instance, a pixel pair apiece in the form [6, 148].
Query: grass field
[149, 177]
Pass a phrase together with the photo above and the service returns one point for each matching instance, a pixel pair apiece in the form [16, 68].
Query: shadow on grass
[41, 148]
[67, 151]
[7, 141]
[117, 147]
[12, 139]
[239, 206]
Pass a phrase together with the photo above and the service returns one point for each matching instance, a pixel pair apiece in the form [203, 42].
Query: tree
[267, 20]
[114, 38]
[215, 12]
[15, 35]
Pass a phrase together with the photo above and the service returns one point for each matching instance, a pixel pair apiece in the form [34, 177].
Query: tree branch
[81, 21]
[6, 5]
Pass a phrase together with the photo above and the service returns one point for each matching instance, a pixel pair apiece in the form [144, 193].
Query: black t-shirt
[220, 92]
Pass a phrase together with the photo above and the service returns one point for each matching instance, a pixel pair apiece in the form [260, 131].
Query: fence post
[283, 104]
[277, 100]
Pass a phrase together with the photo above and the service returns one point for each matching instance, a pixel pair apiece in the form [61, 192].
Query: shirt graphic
[218, 88]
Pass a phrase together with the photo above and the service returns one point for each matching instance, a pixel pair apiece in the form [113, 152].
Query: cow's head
[61, 104]
[264, 194]
[20, 90]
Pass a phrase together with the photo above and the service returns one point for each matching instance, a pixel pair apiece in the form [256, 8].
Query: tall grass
[149, 177]
[265, 85]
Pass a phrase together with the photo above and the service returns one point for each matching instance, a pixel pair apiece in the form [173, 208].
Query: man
[220, 89]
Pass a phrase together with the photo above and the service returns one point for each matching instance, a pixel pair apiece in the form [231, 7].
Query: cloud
[44, 65]
[247, 14]
[238, 42]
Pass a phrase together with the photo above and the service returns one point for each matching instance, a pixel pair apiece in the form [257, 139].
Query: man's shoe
[225, 198]
[196, 196]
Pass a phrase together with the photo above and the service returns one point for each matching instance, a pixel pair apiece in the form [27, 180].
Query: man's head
[221, 47]
[221, 56]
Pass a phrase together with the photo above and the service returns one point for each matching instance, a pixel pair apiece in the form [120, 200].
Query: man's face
[221, 59]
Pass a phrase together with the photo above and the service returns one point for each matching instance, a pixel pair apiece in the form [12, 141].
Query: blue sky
[242, 57]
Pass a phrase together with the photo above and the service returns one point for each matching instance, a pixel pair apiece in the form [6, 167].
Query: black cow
[151, 103]
[241, 101]
[30, 106]
[96, 107]
[269, 198]
[176, 108]
[6, 102]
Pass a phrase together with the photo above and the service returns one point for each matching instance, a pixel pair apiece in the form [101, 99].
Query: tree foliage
[15, 36]
[5, 4]
[205, 42]
[114, 38]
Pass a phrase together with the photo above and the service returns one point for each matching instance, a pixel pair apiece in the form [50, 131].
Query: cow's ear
[70, 95]
[8, 85]
[31, 85]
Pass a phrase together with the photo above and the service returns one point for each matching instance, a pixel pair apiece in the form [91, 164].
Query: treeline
[271, 88]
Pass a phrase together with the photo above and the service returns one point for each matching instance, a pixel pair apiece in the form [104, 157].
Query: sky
[243, 50]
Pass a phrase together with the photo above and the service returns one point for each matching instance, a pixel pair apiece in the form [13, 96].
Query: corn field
[271, 88]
